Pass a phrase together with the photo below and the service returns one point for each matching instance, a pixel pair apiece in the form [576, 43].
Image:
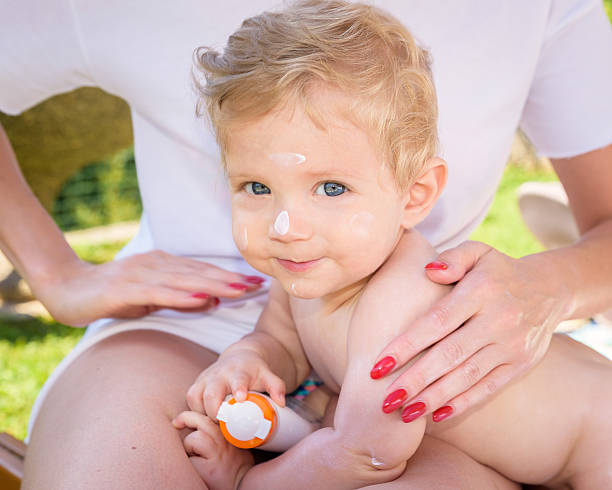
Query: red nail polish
[412, 412]
[442, 413]
[238, 285]
[200, 295]
[382, 367]
[254, 279]
[394, 400]
[436, 266]
[216, 301]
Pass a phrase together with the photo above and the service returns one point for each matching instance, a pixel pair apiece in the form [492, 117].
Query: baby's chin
[301, 291]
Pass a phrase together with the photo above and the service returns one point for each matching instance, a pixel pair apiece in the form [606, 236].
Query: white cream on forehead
[287, 158]
[281, 224]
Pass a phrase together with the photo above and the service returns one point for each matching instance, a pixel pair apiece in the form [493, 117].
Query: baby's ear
[424, 192]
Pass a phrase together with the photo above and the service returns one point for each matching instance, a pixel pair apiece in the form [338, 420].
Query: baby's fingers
[191, 420]
[240, 384]
[275, 387]
[199, 443]
[213, 397]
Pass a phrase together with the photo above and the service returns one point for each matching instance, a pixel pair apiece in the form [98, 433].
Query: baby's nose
[288, 226]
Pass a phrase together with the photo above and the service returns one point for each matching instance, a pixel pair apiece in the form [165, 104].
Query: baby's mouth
[295, 266]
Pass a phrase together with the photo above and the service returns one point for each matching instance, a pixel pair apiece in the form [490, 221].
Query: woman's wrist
[557, 274]
[52, 271]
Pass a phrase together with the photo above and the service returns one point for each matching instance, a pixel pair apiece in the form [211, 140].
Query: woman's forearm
[28, 236]
[582, 272]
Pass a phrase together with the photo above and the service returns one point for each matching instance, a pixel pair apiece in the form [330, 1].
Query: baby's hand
[221, 465]
[236, 371]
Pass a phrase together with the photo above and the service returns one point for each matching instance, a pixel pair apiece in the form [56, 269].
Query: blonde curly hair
[280, 57]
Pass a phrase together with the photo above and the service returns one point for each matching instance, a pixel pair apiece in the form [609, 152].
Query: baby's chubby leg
[218, 463]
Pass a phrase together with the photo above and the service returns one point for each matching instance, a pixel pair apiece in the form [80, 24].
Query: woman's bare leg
[437, 465]
[106, 421]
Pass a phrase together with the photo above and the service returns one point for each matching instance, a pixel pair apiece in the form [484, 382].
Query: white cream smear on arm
[287, 158]
[376, 462]
[281, 225]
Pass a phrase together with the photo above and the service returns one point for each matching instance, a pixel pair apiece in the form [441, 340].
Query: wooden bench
[12, 453]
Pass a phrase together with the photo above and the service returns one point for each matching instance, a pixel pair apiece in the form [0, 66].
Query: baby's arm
[397, 294]
[269, 359]
[364, 446]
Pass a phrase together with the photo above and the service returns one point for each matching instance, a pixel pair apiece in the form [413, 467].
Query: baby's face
[315, 209]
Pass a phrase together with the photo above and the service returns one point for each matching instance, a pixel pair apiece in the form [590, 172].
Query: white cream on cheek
[281, 224]
[241, 237]
[287, 158]
[362, 223]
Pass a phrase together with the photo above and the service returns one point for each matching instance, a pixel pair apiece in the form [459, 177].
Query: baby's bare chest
[324, 339]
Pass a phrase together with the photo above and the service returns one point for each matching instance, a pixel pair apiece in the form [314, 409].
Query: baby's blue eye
[256, 188]
[331, 189]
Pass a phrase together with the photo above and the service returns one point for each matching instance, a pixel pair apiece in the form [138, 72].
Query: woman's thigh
[106, 421]
[437, 465]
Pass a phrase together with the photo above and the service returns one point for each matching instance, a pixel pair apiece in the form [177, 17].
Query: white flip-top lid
[244, 420]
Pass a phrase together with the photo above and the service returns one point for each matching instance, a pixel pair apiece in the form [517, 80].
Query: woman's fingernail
[200, 295]
[238, 285]
[394, 400]
[442, 413]
[382, 367]
[412, 412]
[254, 279]
[436, 266]
[215, 301]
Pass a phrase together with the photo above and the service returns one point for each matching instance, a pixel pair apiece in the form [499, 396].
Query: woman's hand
[237, 371]
[79, 292]
[492, 327]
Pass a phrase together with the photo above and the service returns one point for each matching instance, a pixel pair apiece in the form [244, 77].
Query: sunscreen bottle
[260, 423]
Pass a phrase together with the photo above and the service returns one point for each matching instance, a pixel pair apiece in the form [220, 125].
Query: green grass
[503, 227]
[30, 349]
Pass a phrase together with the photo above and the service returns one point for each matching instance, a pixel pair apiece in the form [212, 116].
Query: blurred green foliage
[58, 137]
[100, 193]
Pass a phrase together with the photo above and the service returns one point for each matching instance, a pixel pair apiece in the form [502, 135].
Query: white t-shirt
[545, 64]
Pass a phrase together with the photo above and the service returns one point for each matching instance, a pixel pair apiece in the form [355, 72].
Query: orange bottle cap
[247, 424]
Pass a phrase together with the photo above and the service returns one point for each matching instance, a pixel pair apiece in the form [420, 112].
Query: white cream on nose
[281, 224]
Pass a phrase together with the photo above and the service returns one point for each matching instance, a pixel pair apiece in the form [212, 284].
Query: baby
[325, 113]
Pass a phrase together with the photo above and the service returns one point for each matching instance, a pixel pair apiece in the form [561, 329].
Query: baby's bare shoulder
[404, 271]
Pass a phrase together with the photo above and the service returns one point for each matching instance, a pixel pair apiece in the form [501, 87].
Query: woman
[533, 64]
